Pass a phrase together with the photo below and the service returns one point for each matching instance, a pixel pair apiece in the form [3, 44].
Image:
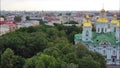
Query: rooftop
[98, 38]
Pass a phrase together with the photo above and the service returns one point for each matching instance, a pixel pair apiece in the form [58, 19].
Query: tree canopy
[17, 19]
[46, 47]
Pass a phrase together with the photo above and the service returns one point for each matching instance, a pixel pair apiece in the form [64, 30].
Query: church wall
[89, 37]
[111, 53]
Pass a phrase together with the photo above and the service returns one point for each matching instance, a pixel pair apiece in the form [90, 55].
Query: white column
[99, 30]
[118, 62]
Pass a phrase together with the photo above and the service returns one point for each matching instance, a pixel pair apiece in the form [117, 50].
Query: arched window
[114, 52]
[114, 29]
[104, 52]
[102, 30]
[98, 29]
[108, 25]
[105, 29]
[87, 33]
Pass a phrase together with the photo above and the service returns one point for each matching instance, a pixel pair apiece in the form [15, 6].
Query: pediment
[104, 42]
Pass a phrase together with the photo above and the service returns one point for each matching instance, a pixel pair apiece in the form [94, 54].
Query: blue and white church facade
[102, 41]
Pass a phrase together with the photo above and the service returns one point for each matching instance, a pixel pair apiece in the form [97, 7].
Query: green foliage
[81, 50]
[7, 58]
[71, 36]
[47, 47]
[71, 22]
[93, 29]
[27, 18]
[68, 14]
[47, 61]
[52, 33]
[3, 17]
[30, 63]
[70, 65]
[52, 51]
[17, 18]
[18, 62]
[71, 58]
[99, 58]
[41, 61]
[87, 62]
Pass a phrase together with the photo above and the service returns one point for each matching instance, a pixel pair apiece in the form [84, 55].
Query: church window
[87, 33]
[104, 52]
[114, 29]
[105, 30]
[102, 30]
[97, 40]
[98, 29]
[108, 25]
[114, 52]
[113, 60]
[104, 46]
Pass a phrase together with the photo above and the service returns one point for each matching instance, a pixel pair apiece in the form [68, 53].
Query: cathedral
[105, 40]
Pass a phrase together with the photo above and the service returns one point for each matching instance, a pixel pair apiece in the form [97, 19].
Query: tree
[30, 63]
[68, 14]
[18, 62]
[7, 58]
[72, 65]
[71, 22]
[99, 58]
[62, 33]
[52, 51]
[47, 61]
[71, 58]
[52, 33]
[27, 18]
[68, 65]
[17, 18]
[52, 46]
[41, 61]
[87, 62]
[3, 17]
[71, 36]
[81, 50]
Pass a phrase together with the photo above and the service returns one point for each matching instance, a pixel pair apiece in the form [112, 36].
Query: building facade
[105, 40]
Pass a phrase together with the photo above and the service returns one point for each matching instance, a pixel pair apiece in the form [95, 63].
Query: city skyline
[59, 5]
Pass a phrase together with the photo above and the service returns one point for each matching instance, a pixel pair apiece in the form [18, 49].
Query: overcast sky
[60, 5]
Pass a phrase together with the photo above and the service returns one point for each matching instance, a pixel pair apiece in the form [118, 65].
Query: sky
[59, 5]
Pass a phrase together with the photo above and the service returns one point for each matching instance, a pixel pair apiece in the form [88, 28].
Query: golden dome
[102, 20]
[115, 16]
[118, 24]
[87, 24]
[87, 16]
[115, 21]
[103, 11]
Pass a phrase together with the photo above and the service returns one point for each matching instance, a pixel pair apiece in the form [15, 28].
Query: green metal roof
[98, 37]
[78, 37]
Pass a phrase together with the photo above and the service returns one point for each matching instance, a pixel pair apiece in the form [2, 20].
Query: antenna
[103, 4]
[119, 11]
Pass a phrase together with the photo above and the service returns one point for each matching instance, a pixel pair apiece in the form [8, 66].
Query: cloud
[59, 4]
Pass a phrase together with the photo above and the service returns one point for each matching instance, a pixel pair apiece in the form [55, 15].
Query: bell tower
[102, 23]
[118, 32]
[114, 23]
[87, 30]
